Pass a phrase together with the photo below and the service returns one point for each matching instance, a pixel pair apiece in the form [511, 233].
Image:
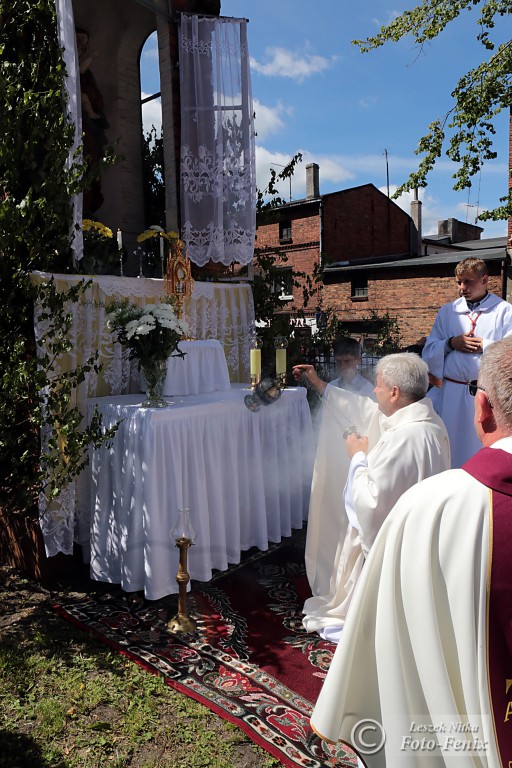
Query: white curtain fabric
[218, 179]
[67, 40]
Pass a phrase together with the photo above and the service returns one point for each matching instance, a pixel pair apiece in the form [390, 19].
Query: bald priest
[422, 677]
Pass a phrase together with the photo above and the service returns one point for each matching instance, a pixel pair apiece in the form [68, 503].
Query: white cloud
[282, 62]
[151, 114]
[368, 102]
[150, 48]
[332, 170]
[269, 120]
[433, 211]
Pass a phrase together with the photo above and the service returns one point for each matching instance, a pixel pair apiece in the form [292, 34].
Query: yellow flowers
[156, 231]
[88, 225]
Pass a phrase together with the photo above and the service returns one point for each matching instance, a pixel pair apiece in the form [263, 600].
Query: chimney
[416, 218]
[312, 181]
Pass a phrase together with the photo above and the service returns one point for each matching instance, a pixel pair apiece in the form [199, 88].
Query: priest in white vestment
[406, 443]
[421, 677]
[461, 332]
[345, 401]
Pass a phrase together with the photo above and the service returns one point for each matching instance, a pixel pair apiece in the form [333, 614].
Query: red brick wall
[303, 250]
[362, 222]
[414, 299]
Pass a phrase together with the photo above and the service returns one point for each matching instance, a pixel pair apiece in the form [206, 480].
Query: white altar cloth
[245, 477]
[203, 369]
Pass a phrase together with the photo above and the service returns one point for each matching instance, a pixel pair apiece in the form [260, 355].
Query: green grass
[67, 701]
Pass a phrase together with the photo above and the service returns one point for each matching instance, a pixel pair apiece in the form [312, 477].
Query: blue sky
[316, 93]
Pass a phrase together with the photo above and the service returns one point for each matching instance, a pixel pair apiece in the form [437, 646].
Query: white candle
[256, 362]
[281, 362]
[119, 239]
[161, 247]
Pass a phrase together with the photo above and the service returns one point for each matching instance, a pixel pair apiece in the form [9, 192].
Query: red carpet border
[250, 661]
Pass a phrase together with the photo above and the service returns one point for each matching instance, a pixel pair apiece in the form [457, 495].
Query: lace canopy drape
[67, 40]
[218, 181]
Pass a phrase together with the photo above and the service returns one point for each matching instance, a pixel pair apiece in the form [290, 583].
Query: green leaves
[35, 218]
[465, 134]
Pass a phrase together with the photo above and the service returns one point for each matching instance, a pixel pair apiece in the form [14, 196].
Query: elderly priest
[423, 674]
[407, 442]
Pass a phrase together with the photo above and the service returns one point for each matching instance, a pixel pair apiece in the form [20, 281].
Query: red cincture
[473, 320]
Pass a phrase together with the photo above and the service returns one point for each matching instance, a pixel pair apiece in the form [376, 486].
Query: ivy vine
[36, 188]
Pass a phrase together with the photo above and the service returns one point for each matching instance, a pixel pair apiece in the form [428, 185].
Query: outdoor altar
[222, 311]
[218, 311]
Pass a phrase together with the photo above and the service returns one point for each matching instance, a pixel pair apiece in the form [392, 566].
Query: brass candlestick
[185, 536]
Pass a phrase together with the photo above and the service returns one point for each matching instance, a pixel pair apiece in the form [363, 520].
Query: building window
[359, 288]
[285, 231]
[282, 284]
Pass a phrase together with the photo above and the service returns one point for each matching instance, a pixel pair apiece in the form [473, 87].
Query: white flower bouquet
[152, 333]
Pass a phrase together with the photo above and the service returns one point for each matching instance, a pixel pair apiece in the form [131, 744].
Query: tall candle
[255, 363]
[119, 239]
[161, 247]
[280, 362]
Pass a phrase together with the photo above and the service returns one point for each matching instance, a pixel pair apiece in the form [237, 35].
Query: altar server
[407, 442]
[422, 677]
[327, 521]
[461, 332]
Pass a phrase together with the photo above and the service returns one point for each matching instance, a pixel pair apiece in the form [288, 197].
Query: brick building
[372, 256]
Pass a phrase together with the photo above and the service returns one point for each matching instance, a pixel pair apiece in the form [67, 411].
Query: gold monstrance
[178, 275]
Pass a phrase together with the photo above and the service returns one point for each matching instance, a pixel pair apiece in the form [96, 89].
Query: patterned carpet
[250, 661]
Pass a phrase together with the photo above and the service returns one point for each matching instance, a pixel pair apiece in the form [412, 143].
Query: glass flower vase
[154, 373]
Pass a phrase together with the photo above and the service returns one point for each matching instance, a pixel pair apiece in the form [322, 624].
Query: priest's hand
[466, 343]
[356, 443]
[310, 374]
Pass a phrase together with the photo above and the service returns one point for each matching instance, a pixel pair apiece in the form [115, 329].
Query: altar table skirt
[244, 476]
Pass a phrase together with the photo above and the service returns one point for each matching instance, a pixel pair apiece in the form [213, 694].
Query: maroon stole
[493, 468]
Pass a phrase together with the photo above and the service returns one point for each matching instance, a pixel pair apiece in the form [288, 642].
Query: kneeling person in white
[413, 445]
[327, 521]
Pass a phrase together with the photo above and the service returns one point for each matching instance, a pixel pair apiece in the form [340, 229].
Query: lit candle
[280, 362]
[255, 364]
[280, 344]
[161, 247]
[119, 239]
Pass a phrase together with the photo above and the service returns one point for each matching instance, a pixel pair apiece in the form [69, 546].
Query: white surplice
[413, 445]
[412, 660]
[452, 401]
[327, 521]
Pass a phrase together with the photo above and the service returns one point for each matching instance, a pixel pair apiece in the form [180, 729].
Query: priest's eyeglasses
[473, 387]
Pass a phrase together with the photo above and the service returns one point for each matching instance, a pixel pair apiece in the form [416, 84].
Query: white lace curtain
[67, 40]
[218, 180]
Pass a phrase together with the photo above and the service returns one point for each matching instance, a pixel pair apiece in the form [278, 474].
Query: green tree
[36, 187]
[267, 304]
[465, 134]
[153, 173]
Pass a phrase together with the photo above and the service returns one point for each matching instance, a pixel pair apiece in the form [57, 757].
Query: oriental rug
[250, 660]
